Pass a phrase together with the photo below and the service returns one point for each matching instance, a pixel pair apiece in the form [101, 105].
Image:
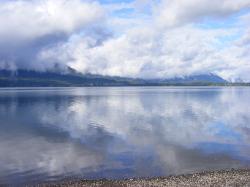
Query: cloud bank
[149, 39]
[29, 26]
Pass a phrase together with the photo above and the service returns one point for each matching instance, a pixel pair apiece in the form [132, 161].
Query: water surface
[48, 134]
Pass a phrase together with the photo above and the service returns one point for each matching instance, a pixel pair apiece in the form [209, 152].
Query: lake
[49, 134]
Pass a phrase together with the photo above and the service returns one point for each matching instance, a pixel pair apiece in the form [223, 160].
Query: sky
[131, 38]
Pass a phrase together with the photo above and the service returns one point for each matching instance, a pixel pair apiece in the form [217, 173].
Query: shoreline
[233, 177]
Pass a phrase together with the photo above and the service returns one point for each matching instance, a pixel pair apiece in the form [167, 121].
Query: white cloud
[174, 12]
[26, 27]
[33, 19]
[148, 53]
[168, 42]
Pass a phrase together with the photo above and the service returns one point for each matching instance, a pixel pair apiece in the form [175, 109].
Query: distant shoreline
[70, 78]
[233, 177]
[121, 86]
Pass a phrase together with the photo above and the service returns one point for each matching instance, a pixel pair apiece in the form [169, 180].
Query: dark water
[49, 134]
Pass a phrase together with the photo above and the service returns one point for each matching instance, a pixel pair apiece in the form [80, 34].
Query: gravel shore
[213, 178]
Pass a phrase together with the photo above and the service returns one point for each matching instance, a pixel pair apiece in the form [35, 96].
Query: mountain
[70, 77]
[209, 78]
[30, 78]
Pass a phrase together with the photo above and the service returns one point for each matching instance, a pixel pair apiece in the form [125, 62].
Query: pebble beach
[225, 178]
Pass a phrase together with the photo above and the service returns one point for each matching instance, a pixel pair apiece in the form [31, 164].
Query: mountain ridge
[31, 78]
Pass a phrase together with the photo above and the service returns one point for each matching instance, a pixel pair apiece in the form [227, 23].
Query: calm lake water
[48, 134]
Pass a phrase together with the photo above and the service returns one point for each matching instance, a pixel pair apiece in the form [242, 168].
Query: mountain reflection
[121, 132]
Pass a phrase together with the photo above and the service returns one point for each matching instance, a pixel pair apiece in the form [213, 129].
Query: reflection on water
[49, 134]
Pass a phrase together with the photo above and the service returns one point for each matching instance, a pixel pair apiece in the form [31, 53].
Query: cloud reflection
[124, 132]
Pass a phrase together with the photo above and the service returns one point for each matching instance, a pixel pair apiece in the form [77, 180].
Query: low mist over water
[53, 133]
